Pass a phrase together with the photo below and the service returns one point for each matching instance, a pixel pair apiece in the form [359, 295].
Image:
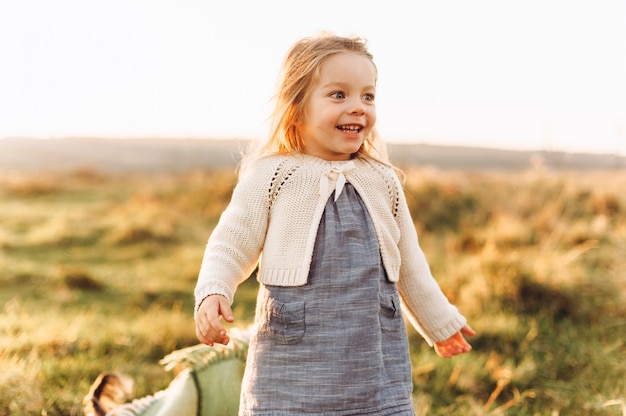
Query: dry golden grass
[97, 274]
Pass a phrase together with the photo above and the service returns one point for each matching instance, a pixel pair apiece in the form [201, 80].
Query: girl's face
[340, 112]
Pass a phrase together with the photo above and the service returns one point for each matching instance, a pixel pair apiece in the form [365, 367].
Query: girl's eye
[338, 95]
[368, 97]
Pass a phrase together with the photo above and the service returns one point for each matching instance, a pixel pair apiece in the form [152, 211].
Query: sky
[528, 74]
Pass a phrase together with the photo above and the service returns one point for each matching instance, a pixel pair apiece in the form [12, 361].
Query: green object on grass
[207, 383]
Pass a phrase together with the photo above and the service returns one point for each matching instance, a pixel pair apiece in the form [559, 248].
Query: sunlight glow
[518, 74]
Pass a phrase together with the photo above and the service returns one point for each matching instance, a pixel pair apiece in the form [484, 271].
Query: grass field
[97, 273]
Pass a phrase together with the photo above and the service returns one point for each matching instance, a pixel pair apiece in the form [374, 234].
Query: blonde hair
[299, 73]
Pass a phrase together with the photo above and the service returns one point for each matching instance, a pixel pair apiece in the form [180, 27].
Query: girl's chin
[342, 151]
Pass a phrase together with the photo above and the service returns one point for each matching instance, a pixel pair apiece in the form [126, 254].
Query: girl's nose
[357, 108]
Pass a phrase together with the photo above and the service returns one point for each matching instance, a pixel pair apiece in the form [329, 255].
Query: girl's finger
[467, 330]
[202, 338]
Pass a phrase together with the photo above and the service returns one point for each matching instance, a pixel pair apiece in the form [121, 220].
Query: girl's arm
[234, 247]
[425, 304]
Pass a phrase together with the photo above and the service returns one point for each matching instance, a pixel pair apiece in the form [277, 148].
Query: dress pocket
[390, 313]
[285, 321]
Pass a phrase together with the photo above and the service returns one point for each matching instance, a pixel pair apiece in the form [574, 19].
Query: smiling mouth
[350, 128]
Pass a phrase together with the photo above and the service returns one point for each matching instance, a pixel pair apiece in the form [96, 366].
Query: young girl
[322, 204]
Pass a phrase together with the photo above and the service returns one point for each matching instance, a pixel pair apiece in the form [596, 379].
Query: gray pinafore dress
[337, 345]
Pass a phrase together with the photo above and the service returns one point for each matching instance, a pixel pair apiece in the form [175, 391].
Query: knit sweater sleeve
[426, 306]
[234, 247]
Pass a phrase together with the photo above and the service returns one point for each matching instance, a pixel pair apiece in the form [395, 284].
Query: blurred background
[540, 75]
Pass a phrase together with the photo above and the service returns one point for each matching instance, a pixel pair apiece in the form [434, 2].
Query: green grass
[97, 274]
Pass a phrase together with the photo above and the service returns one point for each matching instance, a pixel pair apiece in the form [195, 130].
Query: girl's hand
[456, 344]
[209, 328]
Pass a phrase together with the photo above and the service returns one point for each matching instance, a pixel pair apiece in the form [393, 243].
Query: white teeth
[350, 128]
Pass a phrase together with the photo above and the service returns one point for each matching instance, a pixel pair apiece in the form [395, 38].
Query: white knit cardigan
[275, 211]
